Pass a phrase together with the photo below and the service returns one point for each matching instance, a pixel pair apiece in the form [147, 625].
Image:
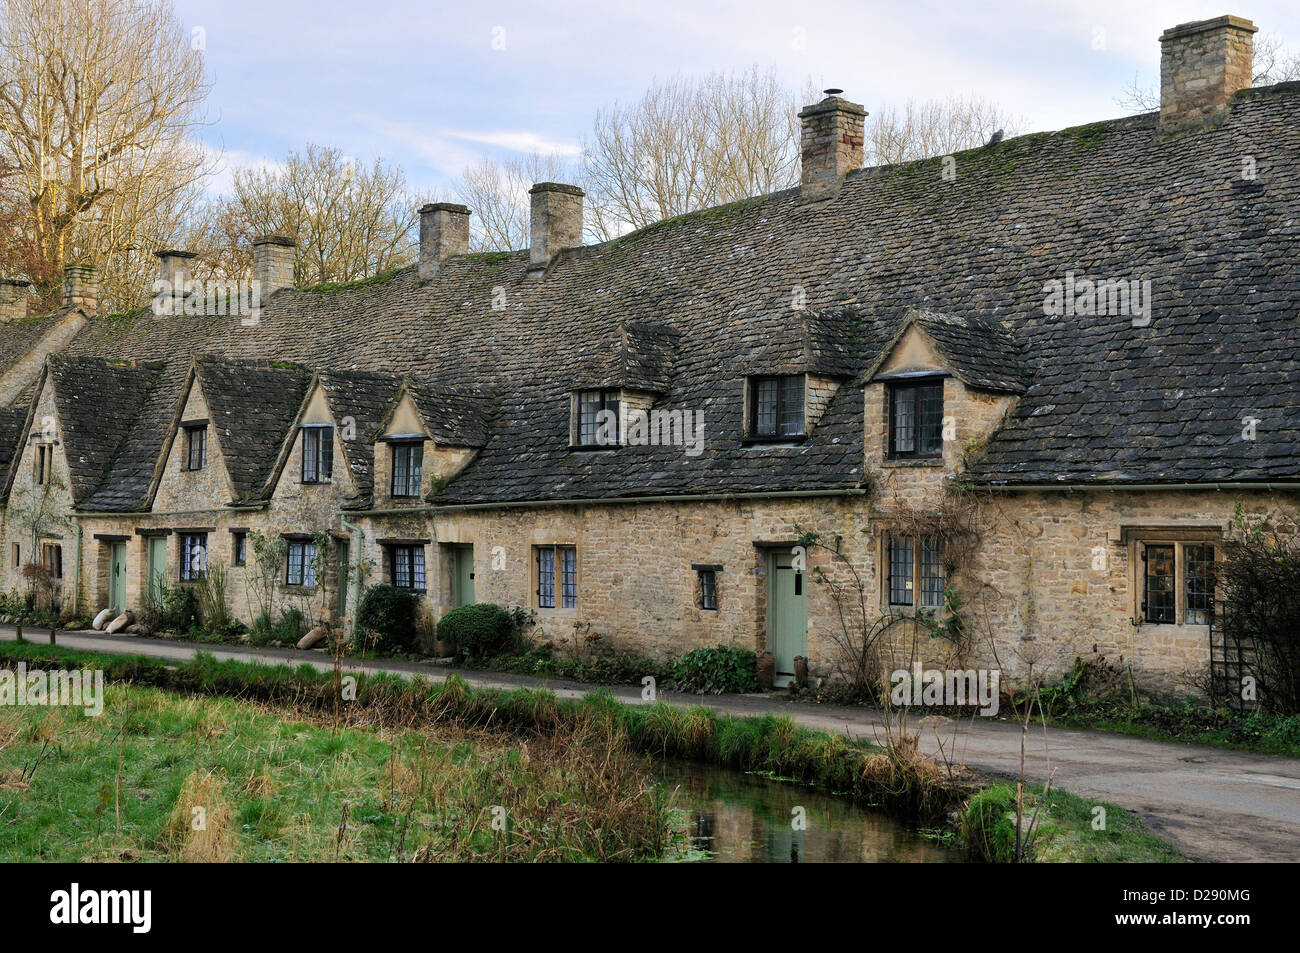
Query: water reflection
[740, 818]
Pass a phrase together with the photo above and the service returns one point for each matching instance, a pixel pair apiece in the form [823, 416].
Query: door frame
[114, 548]
[771, 554]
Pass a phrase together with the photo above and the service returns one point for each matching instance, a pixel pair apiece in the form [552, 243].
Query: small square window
[776, 407]
[916, 419]
[406, 566]
[598, 412]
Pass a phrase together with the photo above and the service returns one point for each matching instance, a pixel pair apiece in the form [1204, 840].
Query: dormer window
[598, 418]
[317, 454]
[408, 468]
[776, 408]
[916, 418]
[196, 445]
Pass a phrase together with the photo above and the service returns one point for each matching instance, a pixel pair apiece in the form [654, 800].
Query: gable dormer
[619, 384]
[429, 435]
[938, 389]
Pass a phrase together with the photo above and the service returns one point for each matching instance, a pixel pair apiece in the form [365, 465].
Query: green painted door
[157, 568]
[462, 575]
[787, 613]
[117, 576]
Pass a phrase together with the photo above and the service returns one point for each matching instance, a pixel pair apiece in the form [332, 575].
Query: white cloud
[520, 142]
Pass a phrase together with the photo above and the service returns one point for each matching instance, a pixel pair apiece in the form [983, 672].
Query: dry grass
[200, 829]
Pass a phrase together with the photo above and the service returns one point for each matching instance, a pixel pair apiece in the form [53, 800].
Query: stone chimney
[14, 293]
[555, 222]
[444, 231]
[831, 145]
[80, 289]
[1201, 65]
[173, 275]
[273, 257]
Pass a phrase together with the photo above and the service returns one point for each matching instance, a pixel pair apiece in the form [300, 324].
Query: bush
[988, 828]
[387, 619]
[176, 610]
[716, 670]
[479, 630]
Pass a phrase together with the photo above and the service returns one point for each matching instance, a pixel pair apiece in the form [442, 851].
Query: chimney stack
[14, 293]
[173, 276]
[1201, 65]
[80, 290]
[830, 144]
[444, 231]
[273, 257]
[555, 222]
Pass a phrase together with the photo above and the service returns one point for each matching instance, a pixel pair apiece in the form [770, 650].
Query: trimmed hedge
[386, 619]
[480, 630]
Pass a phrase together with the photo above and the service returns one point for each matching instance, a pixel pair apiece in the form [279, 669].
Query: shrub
[479, 630]
[715, 670]
[988, 828]
[176, 609]
[387, 619]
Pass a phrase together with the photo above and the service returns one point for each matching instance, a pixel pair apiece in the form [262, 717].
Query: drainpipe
[76, 569]
[355, 530]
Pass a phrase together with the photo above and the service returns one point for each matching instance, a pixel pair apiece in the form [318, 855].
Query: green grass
[274, 788]
[1260, 732]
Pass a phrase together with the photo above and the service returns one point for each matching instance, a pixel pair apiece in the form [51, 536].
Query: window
[44, 463]
[196, 446]
[194, 556]
[916, 419]
[598, 418]
[52, 560]
[408, 463]
[776, 407]
[406, 567]
[1177, 582]
[915, 566]
[557, 572]
[317, 454]
[1199, 575]
[708, 587]
[18, 555]
[240, 546]
[300, 569]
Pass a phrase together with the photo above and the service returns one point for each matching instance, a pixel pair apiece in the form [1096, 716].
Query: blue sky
[434, 85]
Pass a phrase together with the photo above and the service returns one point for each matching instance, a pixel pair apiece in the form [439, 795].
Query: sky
[433, 86]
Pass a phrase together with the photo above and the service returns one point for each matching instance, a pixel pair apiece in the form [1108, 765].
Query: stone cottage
[1017, 392]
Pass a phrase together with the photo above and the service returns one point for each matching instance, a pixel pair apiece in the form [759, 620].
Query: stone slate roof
[453, 419]
[982, 354]
[825, 343]
[637, 356]
[20, 336]
[12, 422]
[1106, 401]
[252, 405]
[98, 402]
[365, 397]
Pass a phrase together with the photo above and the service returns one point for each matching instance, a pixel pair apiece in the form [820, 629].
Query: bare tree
[922, 129]
[98, 103]
[497, 192]
[350, 221]
[689, 144]
[1274, 63]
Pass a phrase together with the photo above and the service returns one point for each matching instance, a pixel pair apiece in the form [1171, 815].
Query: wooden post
[53, 629]
[19, 628]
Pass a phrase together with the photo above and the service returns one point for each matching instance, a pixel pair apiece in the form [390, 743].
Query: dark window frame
[911, 395]
[557, 575]
[915, 577]
[606, 399]
[779, 407]
[239, 548]
[416, 574]
[196, 437]
[305, 552]
[413, 470]
[1184, 595]
[189, 572]
[317, 453]
[707, 579]
[1159, 605]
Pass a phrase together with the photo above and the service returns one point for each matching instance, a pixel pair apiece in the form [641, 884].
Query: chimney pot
[80, 289]
[444, 231]
[555, 222]
[830, 145]
[14, 294]
[1201, 65]
[273, 258]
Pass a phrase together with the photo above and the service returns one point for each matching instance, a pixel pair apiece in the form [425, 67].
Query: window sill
[912, 462]
[793, 439]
